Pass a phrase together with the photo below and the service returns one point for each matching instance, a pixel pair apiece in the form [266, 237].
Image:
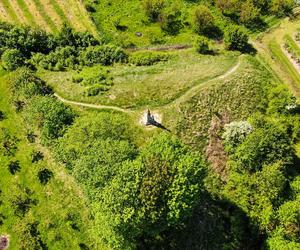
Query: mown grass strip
[59, 11]
[291, 42]
[10, 11]
[30, 18]
[288, 66]
[47, 18]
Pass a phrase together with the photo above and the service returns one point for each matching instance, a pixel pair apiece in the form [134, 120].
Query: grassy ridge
[235, 97]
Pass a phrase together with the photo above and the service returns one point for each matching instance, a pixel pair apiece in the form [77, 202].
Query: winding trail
[189, 93]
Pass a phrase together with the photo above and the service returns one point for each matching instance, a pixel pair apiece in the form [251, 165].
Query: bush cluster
[146, 58]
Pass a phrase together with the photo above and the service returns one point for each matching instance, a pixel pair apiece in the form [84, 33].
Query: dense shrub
[153, 8]
[201, 45]
[60, 59]
[25, 84]
[44, 176]
[282, 7]
[51, 116]
[12, 59]
[203, 20]
[236, 38]
[104, 55]
[170, 22]
[146, 58]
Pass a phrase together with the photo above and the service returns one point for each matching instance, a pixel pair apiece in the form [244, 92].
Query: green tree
[203, 20]
[51, 116]
[12, 59]
[249, 13]
[281, 7]
[201, 45]
[236, 38]
[151, 194]
[153, 8]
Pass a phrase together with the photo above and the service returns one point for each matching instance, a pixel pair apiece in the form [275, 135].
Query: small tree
[12, 59]
[153, 8]
[202, 45]
[249, 13]
[236, 38]
[203, 20]
[281, 7]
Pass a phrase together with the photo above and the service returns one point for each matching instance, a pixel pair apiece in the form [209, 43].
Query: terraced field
[279, 49]
[47, 14]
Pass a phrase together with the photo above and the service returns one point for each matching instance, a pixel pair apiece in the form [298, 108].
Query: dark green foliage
[282, 7]
[8, 142]
[22, 202]
[153, 8]
[58, 60]
[12, 59]
[25, 39]
[36, 156]
[149, 195]
[236, 38]
[45, 176]
[2, 116]
[203, 20]
[104, 55]
[170, 22]
[201, 45]
[146, 58]
[51, 116]
[14, 167]
[269, 142]
[25, 84]
[89, 131]
[68, 37]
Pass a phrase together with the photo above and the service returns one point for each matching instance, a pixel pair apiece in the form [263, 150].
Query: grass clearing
[147, 86]
[61, 210]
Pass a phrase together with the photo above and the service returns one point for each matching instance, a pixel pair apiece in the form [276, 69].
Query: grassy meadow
[147, 86]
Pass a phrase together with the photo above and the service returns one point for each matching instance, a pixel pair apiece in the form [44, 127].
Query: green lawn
[60, 211]
[147, 86]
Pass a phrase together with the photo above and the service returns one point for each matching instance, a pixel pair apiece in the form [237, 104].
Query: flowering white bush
[235, 133]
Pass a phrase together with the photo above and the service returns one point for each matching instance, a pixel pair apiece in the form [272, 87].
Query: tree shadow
[215, 224]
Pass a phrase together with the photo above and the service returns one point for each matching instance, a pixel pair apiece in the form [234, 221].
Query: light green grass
[28, 15]
[60, 197]
[59, 11]
[10, 11]
[284, 61]
[44, 14]
[147, 86]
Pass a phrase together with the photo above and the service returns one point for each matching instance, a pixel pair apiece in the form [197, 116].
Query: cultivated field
[47, 14]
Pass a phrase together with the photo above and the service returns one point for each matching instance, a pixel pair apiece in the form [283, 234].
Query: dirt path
[93, 106]
[180, 99]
